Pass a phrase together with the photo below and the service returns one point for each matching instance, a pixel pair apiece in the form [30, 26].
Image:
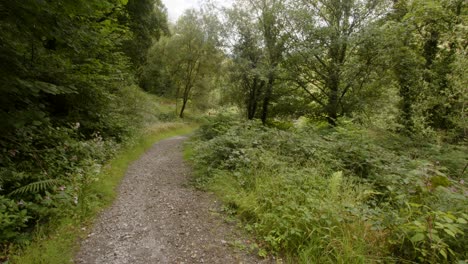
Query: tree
[248, 60]
[424, 56]
[258, 52]
[326, 38]
[190, 56]
[274, 37]
[148, 21]
[435, 25]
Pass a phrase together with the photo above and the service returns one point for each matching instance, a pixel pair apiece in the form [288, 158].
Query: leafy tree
[258, 52]
[148, 22]
[327, 36]
[190, 56]
[436, 25]
[274, 37]
[248, 61]
[424, 54]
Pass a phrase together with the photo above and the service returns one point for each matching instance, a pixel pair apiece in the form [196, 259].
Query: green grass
[57, 242]
[342, 195]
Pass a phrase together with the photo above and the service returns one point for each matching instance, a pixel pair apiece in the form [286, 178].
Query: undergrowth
[56, 241]
[53, 174]
[338, 195]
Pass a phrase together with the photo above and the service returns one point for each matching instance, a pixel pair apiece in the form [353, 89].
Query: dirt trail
[158, 218]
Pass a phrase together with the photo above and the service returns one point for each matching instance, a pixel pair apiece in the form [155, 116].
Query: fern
[35, 187]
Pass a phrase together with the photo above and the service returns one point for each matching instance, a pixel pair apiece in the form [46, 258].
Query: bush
[43, 176]
[338, 195]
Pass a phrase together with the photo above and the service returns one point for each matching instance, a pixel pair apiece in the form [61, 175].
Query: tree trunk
[253, 97]
[184, 103]
[267, 98]
[252, 101]
[332, 106]
[185, 98]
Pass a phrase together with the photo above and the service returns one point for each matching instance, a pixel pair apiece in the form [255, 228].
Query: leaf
[35, 187]
[443, 253]
[449, 232]
[418, 237]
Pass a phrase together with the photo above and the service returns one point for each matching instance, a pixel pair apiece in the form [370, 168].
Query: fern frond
[35, 187]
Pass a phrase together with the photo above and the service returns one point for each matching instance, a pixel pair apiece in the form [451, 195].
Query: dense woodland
[335, 130]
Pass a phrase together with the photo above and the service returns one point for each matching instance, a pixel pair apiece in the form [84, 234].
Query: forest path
[159, 218]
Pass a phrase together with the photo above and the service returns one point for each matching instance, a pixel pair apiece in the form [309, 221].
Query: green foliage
[13, 217]
[185, 65]
[346, 195]
[35, 187]
[147, 20]
[68, 100]
[56, 241]
[334, 52]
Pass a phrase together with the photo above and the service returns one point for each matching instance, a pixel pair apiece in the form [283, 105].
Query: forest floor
[159, 218]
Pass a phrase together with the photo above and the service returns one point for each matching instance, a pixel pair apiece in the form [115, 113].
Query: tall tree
[147, 20]
[270, 15]
[248, 60]
[261, 35]
[327, 36]
[424, 55]
[190, 56]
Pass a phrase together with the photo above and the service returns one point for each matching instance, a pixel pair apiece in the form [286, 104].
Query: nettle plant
[46, 176]
[334, 195]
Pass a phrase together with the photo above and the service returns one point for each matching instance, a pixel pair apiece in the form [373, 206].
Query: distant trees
[322, 47]
[248, 59]
[325, 59]
[189, 58]
[344, 56]
[258, 27]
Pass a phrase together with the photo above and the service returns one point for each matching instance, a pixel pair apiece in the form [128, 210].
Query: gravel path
[158, 218]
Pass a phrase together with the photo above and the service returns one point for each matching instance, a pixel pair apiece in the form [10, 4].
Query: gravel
[159, 218]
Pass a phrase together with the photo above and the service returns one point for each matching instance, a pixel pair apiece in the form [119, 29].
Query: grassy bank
[57, 241]
[347, 194]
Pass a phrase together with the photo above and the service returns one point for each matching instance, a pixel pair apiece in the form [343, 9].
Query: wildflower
[75, 199]
[21, 202]
[62, 188]
[13, 152]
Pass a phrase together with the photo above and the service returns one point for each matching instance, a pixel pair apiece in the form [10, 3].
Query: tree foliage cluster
[373, 59]
[68, 98]
[186, 64]
[399, 63]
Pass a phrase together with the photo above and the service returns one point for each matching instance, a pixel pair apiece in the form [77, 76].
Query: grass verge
[56, 243]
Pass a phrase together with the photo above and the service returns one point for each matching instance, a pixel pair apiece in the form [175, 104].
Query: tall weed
[342, 195]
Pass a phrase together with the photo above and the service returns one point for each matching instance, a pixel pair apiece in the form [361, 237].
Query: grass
[342, 195]
[56, 243]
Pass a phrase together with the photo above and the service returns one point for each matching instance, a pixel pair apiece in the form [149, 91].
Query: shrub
[344, 195]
